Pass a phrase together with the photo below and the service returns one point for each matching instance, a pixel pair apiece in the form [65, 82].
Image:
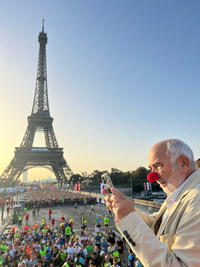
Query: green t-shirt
[89, 251]
[4, 248]
[107, 264]
[67, 230]
[106, 221]
[42, 252]
[61, 256]
[116, 255]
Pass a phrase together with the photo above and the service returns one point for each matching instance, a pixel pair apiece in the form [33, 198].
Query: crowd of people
[47, 245]
[52, 197]
[52, 243]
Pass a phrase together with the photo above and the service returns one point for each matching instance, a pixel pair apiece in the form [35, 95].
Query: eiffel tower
[27, 156]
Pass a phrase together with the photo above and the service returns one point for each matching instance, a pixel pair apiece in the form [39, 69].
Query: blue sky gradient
[122, 75]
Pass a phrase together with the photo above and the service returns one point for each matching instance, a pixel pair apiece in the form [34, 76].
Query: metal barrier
[147, 203]
[4, 224]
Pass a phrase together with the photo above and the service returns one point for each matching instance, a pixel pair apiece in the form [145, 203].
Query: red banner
[79, 187]
[145, 187]
[75, 187]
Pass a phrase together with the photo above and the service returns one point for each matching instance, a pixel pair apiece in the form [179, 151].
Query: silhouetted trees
[119, 178]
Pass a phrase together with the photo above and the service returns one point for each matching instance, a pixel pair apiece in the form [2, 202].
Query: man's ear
[183, 163]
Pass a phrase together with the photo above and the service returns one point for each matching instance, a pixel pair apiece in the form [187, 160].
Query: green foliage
[140, 175]
[118, 178]
[75, 178]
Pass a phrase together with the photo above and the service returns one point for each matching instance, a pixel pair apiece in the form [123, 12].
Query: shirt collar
[172, 198]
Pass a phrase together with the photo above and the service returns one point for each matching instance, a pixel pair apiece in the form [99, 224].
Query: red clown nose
[152, 177]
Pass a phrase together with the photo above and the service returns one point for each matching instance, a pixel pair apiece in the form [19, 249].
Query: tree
[119, 178]
[96, 177]
[76, 178]
[140, 175]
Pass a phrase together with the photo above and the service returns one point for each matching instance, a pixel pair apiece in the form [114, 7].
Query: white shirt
[110, 249]
[77, 250]
[96, 229]
[26, 261]
[71, 251]
[85, 252]
[58, 245]
[12, 252]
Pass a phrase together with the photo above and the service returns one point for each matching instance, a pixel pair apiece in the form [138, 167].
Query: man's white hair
[177, 148]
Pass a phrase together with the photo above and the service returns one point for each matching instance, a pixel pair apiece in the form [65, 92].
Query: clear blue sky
[122, 75]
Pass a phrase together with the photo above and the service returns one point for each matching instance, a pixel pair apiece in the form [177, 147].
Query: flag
[79, 187]
[148, 186]
[145, 189]
[76, 187]
[102, 186]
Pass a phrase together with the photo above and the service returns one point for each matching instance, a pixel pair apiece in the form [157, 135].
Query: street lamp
[90, 176]
[130, 176]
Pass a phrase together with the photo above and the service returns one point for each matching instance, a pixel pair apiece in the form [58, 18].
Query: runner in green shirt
[42, 251]
[3, 247]
[115, 255]
[67, 232]
[20, 218]
[106, 222]
[89, 248]
[43, 220]
[85, 222]
[107, 262]
[17, 234]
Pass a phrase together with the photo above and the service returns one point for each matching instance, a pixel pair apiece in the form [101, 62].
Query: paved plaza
[69, 212]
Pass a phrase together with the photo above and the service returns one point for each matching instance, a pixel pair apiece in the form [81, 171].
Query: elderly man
[169, 237]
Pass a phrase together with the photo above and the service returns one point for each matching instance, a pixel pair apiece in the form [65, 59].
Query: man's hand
[120, 204]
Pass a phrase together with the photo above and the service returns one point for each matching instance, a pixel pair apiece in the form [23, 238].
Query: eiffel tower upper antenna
[43, 25]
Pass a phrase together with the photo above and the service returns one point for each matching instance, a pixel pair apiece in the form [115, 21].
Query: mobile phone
[106, 180]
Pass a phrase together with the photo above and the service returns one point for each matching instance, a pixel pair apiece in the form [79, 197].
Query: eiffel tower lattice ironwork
[27, 156]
